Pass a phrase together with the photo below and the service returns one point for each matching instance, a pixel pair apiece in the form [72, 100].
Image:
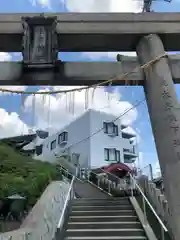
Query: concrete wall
[77, 131]
[83, 141]
[42, 221]
[101, 140]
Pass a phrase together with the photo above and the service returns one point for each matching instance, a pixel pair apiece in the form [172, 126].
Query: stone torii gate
[147, 34]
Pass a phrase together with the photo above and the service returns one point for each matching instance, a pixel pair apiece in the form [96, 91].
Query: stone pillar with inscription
[164, 111]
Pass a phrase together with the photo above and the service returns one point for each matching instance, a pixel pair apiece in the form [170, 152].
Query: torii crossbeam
[82, 32]
[81, 73]
[40, 37]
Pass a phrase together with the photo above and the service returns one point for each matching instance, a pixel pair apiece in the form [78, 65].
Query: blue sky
[130, 94]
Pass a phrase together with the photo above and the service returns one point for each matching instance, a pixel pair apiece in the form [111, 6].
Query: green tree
[23, 175]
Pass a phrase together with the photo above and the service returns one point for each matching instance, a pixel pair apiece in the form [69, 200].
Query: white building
[95, 137]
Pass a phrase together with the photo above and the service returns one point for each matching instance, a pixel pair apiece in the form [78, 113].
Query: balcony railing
[127, 135]
[129, 151]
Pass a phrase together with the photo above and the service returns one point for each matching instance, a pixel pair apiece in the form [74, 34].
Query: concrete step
[97, 218]
[101, 201]
[108, 238]
[105, 208]
[104, 232]
[103, 212]
[103, 225]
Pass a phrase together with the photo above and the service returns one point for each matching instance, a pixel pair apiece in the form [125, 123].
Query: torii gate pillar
[164, 111]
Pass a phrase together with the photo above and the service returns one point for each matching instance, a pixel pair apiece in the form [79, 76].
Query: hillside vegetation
[22, 175]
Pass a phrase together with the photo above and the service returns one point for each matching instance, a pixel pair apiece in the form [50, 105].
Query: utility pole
[148, 3]
[147, 6]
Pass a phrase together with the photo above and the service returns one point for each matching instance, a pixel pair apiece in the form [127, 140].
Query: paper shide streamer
[33, 110]
[23, 98]
[48, 112]
[22, 108]
[86, 99]
[93, 93]
[73, 102]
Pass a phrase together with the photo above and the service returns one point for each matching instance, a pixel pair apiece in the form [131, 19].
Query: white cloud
[11, 124]
[7, 57]
[104, 5]
[144, 161]
[43, 3]
[110, 55]
[63, 108]
[156, 170]
[94, 5]
[130, 130]
[12, 88]
[4, 57]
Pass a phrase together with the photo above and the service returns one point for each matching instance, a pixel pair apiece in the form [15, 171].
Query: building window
[53, 144]
[126, 150]
[39, 150]
[110, 128]
[63, 137]
[118, 157]
[134, 149]
[112, 155]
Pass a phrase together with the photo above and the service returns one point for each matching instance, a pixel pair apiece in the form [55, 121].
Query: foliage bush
[23, 175]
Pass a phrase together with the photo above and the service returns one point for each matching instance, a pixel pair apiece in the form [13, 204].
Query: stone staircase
[100, 219]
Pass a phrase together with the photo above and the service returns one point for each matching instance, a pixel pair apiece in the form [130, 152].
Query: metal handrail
[108, 173]
[89, 171]
[108, 184]
[66, 203]
[149, 204]
[98, 183]
[66, 170]
[88, 174]
[69, 173]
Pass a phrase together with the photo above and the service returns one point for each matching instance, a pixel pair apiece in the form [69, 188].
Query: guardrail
[69, 197]
[108, 182]
[105, 181]
[145, 202]
[64, 214]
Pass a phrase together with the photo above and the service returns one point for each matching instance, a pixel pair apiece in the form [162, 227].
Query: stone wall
[41, 222]
[157, 199]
